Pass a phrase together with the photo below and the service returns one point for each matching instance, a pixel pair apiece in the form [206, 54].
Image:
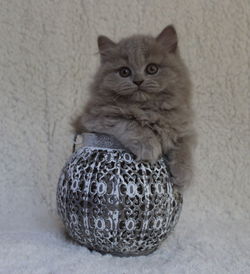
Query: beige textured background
[48, 55]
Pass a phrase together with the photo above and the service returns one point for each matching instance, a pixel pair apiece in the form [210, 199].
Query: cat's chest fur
[153, 116]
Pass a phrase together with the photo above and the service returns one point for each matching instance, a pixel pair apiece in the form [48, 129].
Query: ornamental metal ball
[112, 203]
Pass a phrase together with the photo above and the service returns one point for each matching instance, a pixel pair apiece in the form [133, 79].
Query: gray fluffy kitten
[141, 94]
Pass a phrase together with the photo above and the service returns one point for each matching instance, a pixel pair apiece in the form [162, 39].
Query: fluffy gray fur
[150, 119]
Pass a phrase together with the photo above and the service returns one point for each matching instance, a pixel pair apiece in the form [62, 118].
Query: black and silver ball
[114, 204]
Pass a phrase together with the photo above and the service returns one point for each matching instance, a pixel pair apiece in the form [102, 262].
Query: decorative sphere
[114, 204]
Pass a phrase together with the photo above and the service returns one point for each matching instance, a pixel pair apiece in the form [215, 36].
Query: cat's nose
[138, 83]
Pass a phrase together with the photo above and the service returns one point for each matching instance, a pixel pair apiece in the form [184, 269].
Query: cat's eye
[152, 69]
[124, 72]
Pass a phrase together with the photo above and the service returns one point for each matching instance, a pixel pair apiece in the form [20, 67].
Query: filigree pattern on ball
[113, 204]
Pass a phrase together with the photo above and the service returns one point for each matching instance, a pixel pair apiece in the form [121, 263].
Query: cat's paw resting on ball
[149, 152]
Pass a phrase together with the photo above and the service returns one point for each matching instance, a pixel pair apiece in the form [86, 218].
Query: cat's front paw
[149, 153]
[182, 174]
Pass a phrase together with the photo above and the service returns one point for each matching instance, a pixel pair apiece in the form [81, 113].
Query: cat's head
[141, 67]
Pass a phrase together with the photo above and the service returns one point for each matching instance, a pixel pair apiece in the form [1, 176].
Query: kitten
[141, 94]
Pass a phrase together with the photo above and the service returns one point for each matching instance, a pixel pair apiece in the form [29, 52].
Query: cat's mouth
[142, 89]
[140, 95]
[147, 90]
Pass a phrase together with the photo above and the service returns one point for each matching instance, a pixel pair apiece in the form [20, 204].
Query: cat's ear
[104, 44]
[168, 39]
